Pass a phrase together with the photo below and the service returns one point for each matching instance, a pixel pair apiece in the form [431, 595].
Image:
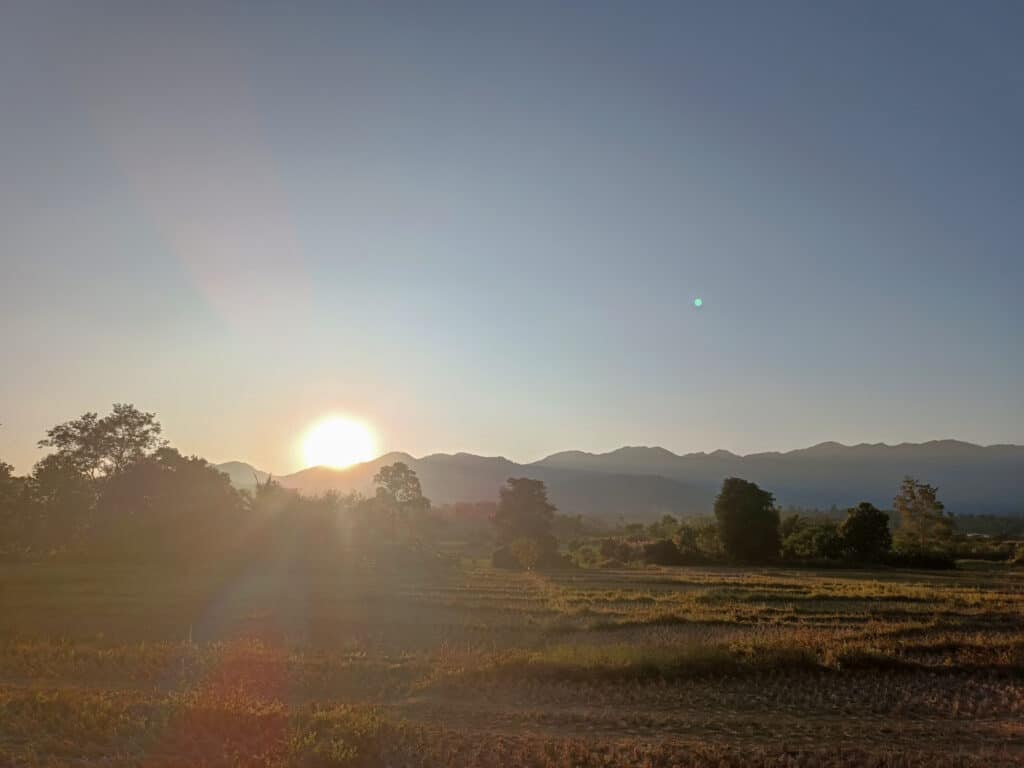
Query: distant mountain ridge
[638, 482]
[242, 475]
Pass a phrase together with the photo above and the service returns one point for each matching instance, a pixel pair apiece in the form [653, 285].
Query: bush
[663, 552]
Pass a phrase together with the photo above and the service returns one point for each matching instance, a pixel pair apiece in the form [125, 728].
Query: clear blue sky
[481, 226]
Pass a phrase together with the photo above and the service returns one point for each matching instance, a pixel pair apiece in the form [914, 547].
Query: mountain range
[642, 483]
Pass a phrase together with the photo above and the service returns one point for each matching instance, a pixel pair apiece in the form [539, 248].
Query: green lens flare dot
[698, 303]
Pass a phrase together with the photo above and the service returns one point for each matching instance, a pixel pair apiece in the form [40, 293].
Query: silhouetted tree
[399, 495]
[13, 516]
[523, 510]
[524, 514]
[924, 524]
[865, 533]
[167, 502]
[10, 487]
[97, 447]
[400, 484]
[63, 499]
[748, 522]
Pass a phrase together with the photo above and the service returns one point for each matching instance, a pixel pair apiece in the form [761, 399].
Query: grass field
[287, 664]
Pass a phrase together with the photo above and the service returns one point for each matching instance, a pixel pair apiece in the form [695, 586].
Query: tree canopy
[748, 522]
[924, 525]
[523, 510]
[865, 533]
[100, 447]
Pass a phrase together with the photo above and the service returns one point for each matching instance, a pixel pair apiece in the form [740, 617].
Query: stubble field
[283, 663]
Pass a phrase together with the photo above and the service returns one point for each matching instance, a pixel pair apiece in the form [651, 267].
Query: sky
[482, 226]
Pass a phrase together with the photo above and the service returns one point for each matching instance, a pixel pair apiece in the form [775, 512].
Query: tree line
[747, 527]
[112, 484]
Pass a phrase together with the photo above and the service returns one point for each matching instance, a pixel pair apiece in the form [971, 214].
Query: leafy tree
[400, 483]
[77, 444]
[129, 435]
[813, 540]
[748, 522]
[63, 500]
[399, 493]
[924, 523]
[167, 502]
[99, 447]
[865, 533]
[523, 510]
[525, 514]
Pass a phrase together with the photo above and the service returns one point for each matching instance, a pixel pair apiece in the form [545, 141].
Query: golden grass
[653, 667]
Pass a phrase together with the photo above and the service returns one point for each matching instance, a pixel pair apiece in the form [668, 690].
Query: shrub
[663, 552]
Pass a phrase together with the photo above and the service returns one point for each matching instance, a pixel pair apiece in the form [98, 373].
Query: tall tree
[748, 522]
[865, 533]
[399, 493]
[523, 510]
[924, 524]
[400, 483]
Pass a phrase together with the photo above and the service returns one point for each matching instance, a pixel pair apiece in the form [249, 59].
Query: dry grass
[657, 667]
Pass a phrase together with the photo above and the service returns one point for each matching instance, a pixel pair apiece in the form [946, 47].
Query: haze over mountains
[641, 483]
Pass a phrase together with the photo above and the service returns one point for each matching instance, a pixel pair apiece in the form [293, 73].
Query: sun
[338, 443]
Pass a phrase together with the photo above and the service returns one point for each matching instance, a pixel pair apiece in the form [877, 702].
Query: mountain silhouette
[242, 475]
[642, 483]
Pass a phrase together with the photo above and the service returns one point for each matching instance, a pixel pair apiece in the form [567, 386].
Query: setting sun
[338, 443]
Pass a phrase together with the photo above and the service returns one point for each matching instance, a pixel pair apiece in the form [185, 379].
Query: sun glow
[338, 442]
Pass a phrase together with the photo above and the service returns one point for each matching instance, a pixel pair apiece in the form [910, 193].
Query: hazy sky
[482, 226]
